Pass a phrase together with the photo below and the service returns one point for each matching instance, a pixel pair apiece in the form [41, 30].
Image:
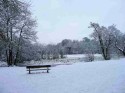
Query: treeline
[54, 51]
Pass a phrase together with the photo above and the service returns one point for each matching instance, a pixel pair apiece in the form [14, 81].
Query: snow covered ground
[80, 55]
[70, 59]
[92, 77]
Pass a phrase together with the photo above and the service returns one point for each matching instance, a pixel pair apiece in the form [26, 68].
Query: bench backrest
[38, 66]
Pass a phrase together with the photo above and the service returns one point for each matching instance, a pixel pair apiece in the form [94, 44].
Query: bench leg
[29, 70]
[47, 70]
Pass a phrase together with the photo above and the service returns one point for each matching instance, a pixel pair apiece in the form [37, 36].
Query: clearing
[92, 77]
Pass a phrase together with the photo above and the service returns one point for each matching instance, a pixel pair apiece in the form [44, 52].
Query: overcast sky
[69, 19]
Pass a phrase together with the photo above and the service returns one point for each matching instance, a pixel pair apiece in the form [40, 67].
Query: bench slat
[36, 69]
[38, 66]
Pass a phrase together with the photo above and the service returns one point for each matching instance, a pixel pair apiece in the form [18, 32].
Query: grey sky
[69, 19]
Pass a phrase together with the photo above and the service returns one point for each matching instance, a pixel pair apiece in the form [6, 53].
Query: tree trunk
[11, 48]
[7, 58]
[16, 58]
[18, 46]
[10, 57]
[105, 51]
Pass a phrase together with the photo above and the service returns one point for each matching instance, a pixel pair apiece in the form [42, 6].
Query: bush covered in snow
[89, 57]
[3, 64]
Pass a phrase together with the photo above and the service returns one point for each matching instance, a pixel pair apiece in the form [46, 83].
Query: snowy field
[80, 55]
[92, 77]
[69, 59]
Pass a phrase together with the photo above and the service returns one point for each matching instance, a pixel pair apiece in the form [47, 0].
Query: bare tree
[12, 16]
[24, 31]
[119, 41]
[104, 36]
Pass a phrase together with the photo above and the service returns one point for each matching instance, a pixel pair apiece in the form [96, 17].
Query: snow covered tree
[13, 15]
[105, 38]
[121, 46]
[119, 40]
[24, 30]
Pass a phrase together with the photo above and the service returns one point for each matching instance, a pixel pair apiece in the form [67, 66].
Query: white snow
[80, 55]
[92, 77]
[75, 56]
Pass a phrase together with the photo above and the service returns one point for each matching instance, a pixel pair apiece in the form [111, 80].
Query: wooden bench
[38, 67]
